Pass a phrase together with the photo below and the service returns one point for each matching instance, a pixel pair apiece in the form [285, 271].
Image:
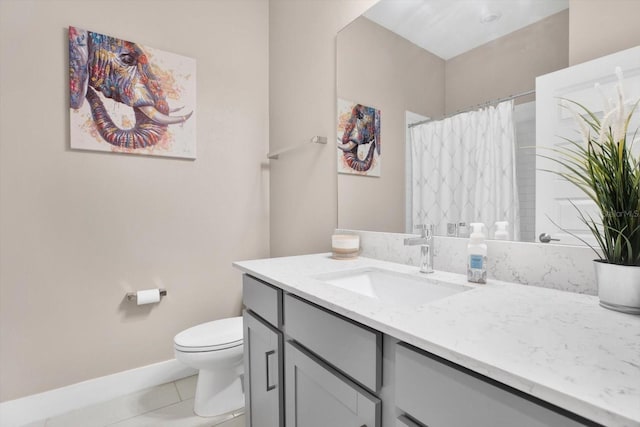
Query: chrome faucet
[426, 246]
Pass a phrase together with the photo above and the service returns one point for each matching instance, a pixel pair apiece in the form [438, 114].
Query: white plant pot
[618, 286]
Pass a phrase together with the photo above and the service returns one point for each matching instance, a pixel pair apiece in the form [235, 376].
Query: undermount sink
[391, 286]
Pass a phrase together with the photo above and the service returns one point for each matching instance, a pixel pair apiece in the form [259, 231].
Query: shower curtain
[463, 170]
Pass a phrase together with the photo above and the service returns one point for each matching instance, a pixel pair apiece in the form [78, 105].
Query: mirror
[476, 52]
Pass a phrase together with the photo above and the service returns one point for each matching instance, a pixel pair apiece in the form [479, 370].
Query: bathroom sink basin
[392, 287]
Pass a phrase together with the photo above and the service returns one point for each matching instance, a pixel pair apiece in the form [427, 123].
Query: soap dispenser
[477, 255]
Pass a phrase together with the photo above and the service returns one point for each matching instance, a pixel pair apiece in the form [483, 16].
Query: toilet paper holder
[132, 296]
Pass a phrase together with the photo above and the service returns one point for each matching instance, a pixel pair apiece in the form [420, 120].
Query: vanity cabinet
[306, 366]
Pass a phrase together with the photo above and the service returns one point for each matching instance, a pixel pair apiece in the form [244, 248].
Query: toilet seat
[210, 336]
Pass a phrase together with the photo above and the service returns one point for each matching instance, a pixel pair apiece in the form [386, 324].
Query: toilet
[215, 349]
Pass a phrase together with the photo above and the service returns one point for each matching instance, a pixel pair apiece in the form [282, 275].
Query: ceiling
[448, 28]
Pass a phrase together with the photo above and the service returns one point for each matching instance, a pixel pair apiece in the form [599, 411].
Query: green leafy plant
[603, 166]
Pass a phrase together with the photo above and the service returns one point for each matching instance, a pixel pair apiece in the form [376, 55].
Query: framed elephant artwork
[129, 98]
[358, 139]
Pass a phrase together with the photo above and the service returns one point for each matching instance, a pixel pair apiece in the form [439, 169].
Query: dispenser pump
[501, 230]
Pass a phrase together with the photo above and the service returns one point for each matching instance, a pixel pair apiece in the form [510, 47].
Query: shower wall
[524, 117]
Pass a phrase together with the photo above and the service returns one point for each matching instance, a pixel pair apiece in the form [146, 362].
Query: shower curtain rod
[484, 104]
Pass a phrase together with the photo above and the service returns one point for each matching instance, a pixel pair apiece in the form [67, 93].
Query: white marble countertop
[558, 346]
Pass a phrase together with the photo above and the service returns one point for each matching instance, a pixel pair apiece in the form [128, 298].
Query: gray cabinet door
[318, 396]
[263, 373]
[438, 393]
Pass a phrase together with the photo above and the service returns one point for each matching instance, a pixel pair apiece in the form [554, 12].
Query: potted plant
[603, 166]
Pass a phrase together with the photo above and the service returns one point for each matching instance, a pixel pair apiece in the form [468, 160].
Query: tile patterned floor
[167, 405]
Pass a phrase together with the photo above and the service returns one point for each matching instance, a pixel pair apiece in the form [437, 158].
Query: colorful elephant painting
[359, 144]
[117, 77]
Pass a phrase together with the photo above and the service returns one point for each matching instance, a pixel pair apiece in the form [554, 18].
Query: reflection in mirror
[471, 156]
[381, 64]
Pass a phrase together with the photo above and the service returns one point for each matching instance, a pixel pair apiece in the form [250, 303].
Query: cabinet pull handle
[267, 354]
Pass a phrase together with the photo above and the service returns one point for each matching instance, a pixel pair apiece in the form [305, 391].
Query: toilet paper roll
[148, 296]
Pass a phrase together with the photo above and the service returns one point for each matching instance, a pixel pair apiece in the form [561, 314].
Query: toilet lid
[210, 336]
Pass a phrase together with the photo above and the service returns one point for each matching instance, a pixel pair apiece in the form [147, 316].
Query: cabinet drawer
[352, 348]
[403, 421]
[440, 394]
[263, 299]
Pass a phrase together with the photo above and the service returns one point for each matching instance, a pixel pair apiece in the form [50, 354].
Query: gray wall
[80, 229]
[601, 27]
[508, 65]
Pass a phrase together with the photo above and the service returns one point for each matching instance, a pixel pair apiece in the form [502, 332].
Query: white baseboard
[18, 412]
